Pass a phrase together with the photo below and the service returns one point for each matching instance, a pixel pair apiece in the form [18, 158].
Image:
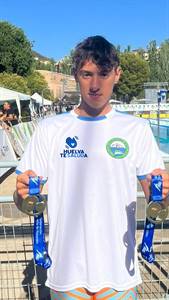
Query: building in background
[59, 84]
[152, 89]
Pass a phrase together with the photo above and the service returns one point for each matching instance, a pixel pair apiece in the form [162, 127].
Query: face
[6, 105]
[96, 86]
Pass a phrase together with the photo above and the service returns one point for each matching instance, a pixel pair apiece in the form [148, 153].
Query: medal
[156, 213]
[34, 205]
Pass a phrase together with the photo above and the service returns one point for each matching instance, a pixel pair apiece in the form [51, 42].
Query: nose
[95, 83]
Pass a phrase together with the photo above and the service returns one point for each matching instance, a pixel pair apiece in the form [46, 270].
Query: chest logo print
[71, 149]
[117, 148]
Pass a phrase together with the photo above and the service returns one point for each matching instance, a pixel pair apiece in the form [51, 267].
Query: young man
[92, 157]
[10, 118]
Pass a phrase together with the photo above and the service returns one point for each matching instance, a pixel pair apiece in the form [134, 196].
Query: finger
[23, 193]
[166, 184]
[165, 178]
[162, 173]
[165, 192]
[20, 186]
[24, 177]
[22, 183]
[158, 172]
[30, 173]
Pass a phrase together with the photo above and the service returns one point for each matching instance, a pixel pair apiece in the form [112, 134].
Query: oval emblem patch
[117, 148]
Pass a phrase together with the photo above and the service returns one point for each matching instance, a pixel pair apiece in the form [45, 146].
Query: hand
[22, 183]
[165, 178]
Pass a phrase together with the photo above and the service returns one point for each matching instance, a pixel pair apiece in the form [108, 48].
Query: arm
[146, 188]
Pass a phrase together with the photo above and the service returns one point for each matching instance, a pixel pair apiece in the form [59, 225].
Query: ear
[76, 77]
[118, 72]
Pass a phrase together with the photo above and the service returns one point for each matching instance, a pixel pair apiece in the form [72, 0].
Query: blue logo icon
[71, 142]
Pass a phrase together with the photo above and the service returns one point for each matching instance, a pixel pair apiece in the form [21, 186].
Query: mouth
[94, 95]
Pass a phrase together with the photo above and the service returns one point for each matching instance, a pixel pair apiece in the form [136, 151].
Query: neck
[84, 110]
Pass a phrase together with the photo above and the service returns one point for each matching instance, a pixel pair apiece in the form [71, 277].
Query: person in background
[10, 117]
[92, 157]
[1, 114]
[3, 125]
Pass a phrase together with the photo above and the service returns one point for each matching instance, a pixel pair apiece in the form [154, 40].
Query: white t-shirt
[92, 166]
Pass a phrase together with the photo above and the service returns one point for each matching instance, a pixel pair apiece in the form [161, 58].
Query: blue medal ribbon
[40, 252]
[147, 241]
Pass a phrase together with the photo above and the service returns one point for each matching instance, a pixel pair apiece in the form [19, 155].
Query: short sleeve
[35, 154]
[148, 156]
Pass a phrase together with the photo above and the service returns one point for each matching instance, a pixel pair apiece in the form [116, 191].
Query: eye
[104, 74]
[85, 74]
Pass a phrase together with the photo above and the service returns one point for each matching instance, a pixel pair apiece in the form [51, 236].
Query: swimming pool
[163, 131]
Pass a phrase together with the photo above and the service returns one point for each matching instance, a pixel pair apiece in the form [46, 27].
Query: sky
[56, 26]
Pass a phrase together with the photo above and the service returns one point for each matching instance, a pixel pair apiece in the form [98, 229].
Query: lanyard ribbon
[147, 241]
[39, 245]
[40, 252]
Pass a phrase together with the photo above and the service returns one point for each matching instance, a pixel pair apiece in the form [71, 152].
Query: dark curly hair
[98, 50]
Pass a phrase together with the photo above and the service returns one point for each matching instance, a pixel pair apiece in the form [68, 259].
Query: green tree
[135, 72]
[153, 58]
[118, 48]
[15, 50]
[141, 52]
[14, 82]
[65, 65]
[128, 49]
[163, 62]
[37, 84]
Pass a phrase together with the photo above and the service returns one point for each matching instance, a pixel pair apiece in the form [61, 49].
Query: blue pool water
[163, 139]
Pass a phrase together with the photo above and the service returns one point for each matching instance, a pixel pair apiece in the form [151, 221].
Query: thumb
[30, 173]
[149, 178]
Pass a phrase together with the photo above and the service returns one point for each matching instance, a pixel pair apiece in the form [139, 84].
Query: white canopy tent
[39, 99]
[12, 96]
[114, 101]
